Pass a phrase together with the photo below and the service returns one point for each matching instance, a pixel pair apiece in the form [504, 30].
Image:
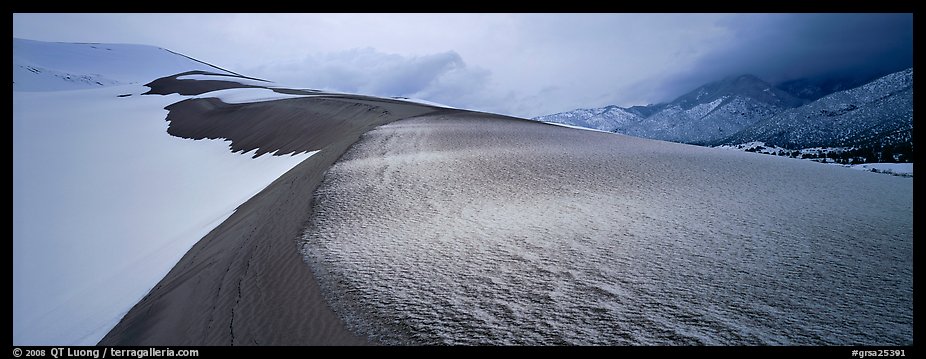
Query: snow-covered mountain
[105, 201]
[715, 111]
[880, 112]
[709, 113]
[609, 118]
[744, 109]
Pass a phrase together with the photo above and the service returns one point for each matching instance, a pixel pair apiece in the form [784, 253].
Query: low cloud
[442, 77]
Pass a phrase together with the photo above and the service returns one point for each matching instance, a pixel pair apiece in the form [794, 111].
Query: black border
[587, 6]
[671, 351]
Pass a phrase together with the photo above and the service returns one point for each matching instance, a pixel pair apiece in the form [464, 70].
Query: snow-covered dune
[105, 201]
[244, 282]
[53, 66]
[111, 203]
[469, 229]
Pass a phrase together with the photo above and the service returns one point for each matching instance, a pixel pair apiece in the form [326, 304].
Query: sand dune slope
[245, 283]
[469, 229]
[445, 226]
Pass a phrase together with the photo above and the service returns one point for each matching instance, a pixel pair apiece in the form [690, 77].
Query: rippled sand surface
[475, 230]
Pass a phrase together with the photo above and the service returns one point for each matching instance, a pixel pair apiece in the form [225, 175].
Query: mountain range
[745, 108]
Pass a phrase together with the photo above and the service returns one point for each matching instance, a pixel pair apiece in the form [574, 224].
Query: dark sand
[170, 84]
[279, 127]
[245, 283]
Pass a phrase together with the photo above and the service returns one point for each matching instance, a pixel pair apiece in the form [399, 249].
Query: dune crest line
[245, 282]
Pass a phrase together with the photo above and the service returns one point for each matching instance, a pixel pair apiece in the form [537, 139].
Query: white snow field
[423, 102]
[52, 66]
[248, 95]
[900, 169]
[455, 230]
[892, 168]
[213, 77]
[105, 201]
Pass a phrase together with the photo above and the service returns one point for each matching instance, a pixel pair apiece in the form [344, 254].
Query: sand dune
[245, 282]
[171, 84]
[455, 227]
[469, 229]
[281, 127]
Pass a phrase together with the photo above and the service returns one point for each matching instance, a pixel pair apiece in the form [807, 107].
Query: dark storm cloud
[781, 47]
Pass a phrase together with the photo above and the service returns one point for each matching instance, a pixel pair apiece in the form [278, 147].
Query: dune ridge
[245, 282]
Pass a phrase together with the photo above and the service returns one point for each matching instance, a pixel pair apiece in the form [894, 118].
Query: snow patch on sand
[240, 80]
[105, 204]
[249, 95]
[55, 66]
[423, 102]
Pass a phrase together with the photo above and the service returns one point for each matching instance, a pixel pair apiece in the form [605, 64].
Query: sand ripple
[473, 231]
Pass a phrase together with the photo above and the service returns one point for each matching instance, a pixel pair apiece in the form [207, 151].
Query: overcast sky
[518, 64]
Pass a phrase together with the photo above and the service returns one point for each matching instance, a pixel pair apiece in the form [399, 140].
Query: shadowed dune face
[187, 87]
[279, 127]
[467, 230]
